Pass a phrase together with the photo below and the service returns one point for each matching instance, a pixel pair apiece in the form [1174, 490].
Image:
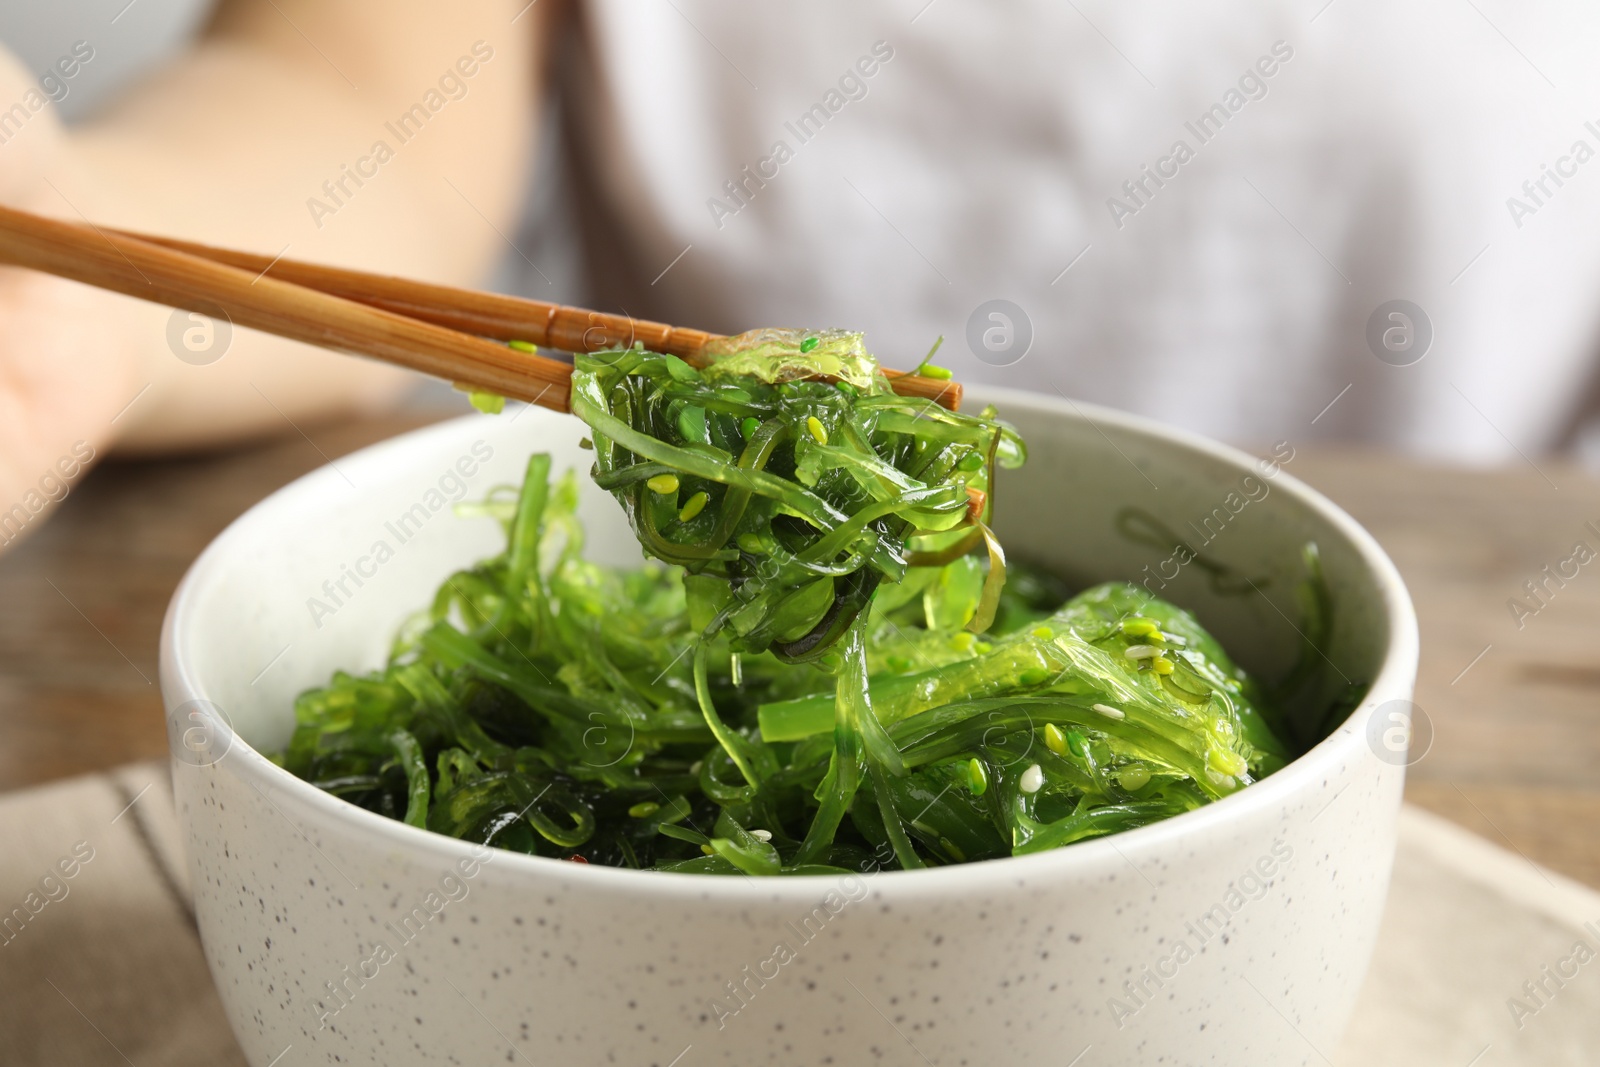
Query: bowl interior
[319, 576]
[1107, 497]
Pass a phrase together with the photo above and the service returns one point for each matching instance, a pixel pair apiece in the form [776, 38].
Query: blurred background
[1359, 233]
[1211, 217]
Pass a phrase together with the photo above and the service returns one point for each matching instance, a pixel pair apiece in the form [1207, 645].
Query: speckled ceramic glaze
[1236, 934]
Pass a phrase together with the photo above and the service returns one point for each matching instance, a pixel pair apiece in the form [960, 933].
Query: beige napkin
[1486, 959]
[109, 969]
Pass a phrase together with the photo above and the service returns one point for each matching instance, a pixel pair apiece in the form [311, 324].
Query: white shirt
[988, 158]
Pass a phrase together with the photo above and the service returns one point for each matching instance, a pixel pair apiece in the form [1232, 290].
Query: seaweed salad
[825, 659]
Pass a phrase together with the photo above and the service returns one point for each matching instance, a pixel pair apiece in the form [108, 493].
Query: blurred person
[223, 138]
[1202, 215]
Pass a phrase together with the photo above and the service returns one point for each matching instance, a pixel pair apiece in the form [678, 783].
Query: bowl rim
[1396, 674]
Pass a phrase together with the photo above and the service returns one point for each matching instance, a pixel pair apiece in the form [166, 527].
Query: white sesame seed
[1110, 712]
[1141, 651]
[1032, 779]
[761, 835]
[1176, 639]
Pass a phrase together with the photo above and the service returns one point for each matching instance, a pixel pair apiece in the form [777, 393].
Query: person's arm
[232, 145]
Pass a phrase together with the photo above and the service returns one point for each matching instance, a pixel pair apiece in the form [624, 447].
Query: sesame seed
[1054, 739]
[977, 777]
[819, 432]
[1134, 776]
[693, 506]
[1226, 762]
[1141, 651]
[761, 835]
[663, 484]
[1110, 712]
[1032, 779]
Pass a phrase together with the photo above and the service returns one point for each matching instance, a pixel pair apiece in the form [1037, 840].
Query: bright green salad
[826, 662]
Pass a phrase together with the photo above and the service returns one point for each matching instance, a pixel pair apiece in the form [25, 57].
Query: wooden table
[1516, 712]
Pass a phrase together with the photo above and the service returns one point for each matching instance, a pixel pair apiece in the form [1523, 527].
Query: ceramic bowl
[1235, 934]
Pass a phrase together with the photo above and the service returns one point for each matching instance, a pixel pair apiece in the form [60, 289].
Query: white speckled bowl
[1236, 934]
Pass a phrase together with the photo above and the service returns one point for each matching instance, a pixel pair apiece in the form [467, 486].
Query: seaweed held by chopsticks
[789, 499]
[827, 668]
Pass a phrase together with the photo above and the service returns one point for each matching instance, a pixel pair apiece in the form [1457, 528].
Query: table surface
[1515, 710]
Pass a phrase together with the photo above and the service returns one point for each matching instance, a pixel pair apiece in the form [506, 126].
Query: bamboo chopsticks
[449, 333]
